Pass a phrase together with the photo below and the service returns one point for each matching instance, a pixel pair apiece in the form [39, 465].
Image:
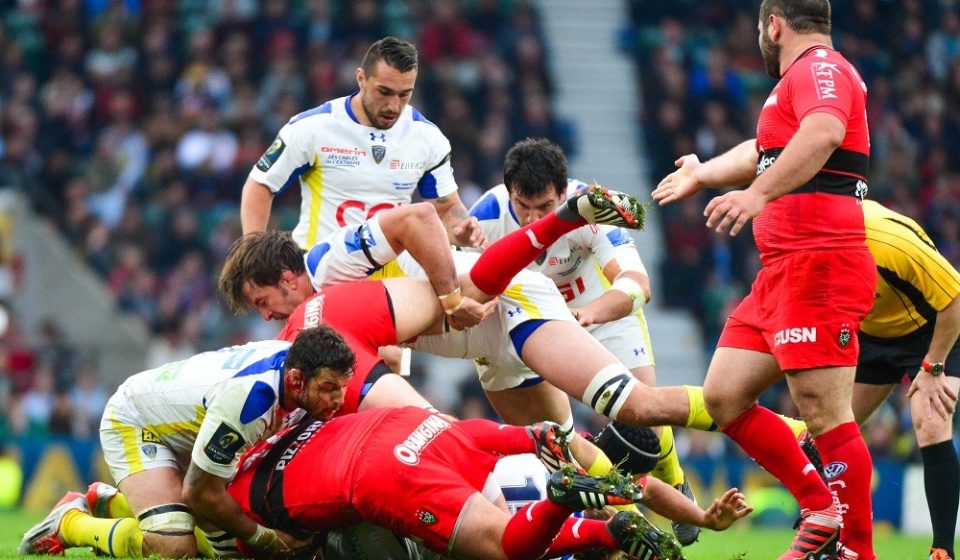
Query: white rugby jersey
[213, 405]
[347, 171]
[575, 262]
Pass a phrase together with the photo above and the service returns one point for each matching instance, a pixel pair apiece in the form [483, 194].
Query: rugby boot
[809, 448]
[551, 446]
[938, 554]
[600, 205]
[687, 533]
[640, 539]
[570, 488]
[44, 537]
[98, 497]
[817, 534]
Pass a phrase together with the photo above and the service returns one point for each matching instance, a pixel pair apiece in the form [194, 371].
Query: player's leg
[389, 390]
[941, 468]
[867, 397]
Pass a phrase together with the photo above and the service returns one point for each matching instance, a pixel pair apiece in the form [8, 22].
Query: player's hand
[468, 233]
[733, 210]
[725, 510]
[583, 316]
[279, 543]
[935, 393]
[470, 313]
[681, 183]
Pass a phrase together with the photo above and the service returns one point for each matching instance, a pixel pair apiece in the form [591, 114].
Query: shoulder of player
[242, 400]
[311, 117]
[420, 125]
[492, 205]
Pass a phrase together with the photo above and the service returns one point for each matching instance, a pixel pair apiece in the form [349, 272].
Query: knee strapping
[609, 389]
[173, 520]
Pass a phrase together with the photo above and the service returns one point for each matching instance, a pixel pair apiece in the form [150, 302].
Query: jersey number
[571, 290]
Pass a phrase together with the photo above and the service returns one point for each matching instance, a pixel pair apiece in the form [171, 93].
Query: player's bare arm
[819, 135]
[630, 290]
[736, 166]
[255, 205]
[670, 503]
[206, 495]
[463, 230]
[935, 391]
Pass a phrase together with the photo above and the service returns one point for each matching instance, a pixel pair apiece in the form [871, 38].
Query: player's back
[173, 398]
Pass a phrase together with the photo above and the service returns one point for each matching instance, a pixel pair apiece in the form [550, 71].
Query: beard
[375, 120]
[771, 56]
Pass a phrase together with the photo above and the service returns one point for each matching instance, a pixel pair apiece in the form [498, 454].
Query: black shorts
[884, 361]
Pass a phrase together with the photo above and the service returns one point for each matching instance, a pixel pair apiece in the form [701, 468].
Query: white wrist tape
[632, 289]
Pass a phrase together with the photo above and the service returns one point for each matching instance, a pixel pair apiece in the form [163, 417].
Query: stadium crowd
[132, 125]
[703, 83]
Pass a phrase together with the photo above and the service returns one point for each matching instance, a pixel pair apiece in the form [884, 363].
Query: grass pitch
[735, 544]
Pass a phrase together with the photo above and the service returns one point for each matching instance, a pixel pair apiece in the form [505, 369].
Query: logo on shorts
[835, 469]
[149, 437]
[795, 334]
[149, 450]
[843, 337]
[426, 517]
[378, 153]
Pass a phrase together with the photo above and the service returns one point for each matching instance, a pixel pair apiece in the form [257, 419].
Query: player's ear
[288, 279]
[360, 76]
[294, 380]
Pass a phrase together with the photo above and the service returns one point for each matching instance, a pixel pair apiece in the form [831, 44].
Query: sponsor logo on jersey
[335, 160]
[398, 165]
[765, 163]
[403, 186]
[272, 154]
[342, 151]
[823, 75]
[795, 335]
[409, 450]
[313, 312]
[426, 517]
[835, 469]
[862, 189]
[382, 136]
[378, 153]
[149, 437]
[224, 445]
[291, 451]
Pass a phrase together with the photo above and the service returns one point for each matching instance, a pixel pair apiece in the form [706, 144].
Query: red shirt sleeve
[823, 84]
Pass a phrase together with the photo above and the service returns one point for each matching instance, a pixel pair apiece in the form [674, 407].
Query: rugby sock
[849, 468]
[697, 417]
[499, 439]
[668, 467]
[510, 254]
[531, 530]
[204, 549]
[941, 481]
[120, 538]
[579, 534]
[769, 442]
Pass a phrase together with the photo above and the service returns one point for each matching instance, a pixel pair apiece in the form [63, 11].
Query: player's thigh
[867, 397]
[932, 428]
[565, 354]
[392, 391]
[735, 378]
[480, 531]
[528, 405]
[823, 396]
[416, 307]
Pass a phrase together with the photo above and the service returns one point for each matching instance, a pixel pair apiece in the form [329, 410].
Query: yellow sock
[668, 467]
[698, 418]
[798, 426]
[118, 507]
[601, 465]
[203, 545]
[120, 538]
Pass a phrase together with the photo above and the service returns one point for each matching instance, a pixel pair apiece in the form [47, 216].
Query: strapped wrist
[451, 302]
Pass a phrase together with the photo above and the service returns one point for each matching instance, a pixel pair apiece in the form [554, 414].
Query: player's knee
[168, 531]
[608, 391]
[931, 430]
[422, 212]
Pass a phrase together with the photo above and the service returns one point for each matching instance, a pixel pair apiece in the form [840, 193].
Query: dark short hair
[534, 165]
[396, 53]
[258, 258]
[317, 348]
[803, 16]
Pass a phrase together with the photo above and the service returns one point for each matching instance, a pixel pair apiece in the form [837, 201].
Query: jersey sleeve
[237, 417]
[488, 210]
[437, 180]
[287, 158]
[823, 86]
[608, 243]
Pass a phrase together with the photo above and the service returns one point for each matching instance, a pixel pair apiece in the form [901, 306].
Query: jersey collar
[349, 109]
